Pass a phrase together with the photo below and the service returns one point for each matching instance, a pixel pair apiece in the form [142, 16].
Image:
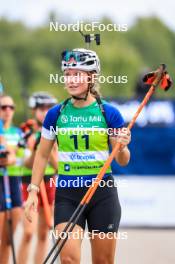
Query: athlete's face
[76, 82]
[7, 108]
[41, 112]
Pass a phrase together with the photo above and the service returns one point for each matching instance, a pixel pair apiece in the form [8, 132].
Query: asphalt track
[137, 247]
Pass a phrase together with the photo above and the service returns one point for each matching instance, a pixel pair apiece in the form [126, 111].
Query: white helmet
[81, 59]
[41, 98]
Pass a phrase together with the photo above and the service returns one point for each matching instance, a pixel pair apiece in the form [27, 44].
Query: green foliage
[28, 56]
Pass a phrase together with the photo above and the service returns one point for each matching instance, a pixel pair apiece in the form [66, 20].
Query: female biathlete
[77, 126]
[12, 135]
[40, 103]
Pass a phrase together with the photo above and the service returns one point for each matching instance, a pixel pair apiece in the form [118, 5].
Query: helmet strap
[81, 98]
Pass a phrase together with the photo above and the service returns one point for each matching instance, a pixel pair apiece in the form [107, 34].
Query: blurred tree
[29, 55]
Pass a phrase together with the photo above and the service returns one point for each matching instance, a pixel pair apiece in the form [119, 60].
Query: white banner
[147, 201]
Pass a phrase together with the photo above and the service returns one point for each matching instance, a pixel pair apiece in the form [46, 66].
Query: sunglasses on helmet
[73, 55]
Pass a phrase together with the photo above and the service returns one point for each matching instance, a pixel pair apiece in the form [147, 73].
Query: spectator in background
[40, 103]
[12, 135]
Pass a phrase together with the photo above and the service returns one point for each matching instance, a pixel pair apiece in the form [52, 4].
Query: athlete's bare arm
[41, 160]
[53, 158]
[40, 163]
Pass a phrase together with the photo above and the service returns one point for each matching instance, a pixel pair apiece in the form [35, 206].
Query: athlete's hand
[123, 136]
[31, 205]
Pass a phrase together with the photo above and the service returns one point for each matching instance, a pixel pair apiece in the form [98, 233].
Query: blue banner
[152, 147]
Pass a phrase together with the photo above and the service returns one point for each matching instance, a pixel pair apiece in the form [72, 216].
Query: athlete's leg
[2, 217]
[28, 230]
[71, 252]
[103, 219]
[103, 249]
[63, 210]
[5, 244]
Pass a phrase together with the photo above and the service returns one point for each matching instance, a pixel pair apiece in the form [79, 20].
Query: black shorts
[15, 189]
[102, 214]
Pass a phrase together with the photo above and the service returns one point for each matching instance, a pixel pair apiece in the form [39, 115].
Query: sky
[35, 12]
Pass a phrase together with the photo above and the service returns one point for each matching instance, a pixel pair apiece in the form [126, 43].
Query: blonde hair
[6, 96]
[94, 86]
